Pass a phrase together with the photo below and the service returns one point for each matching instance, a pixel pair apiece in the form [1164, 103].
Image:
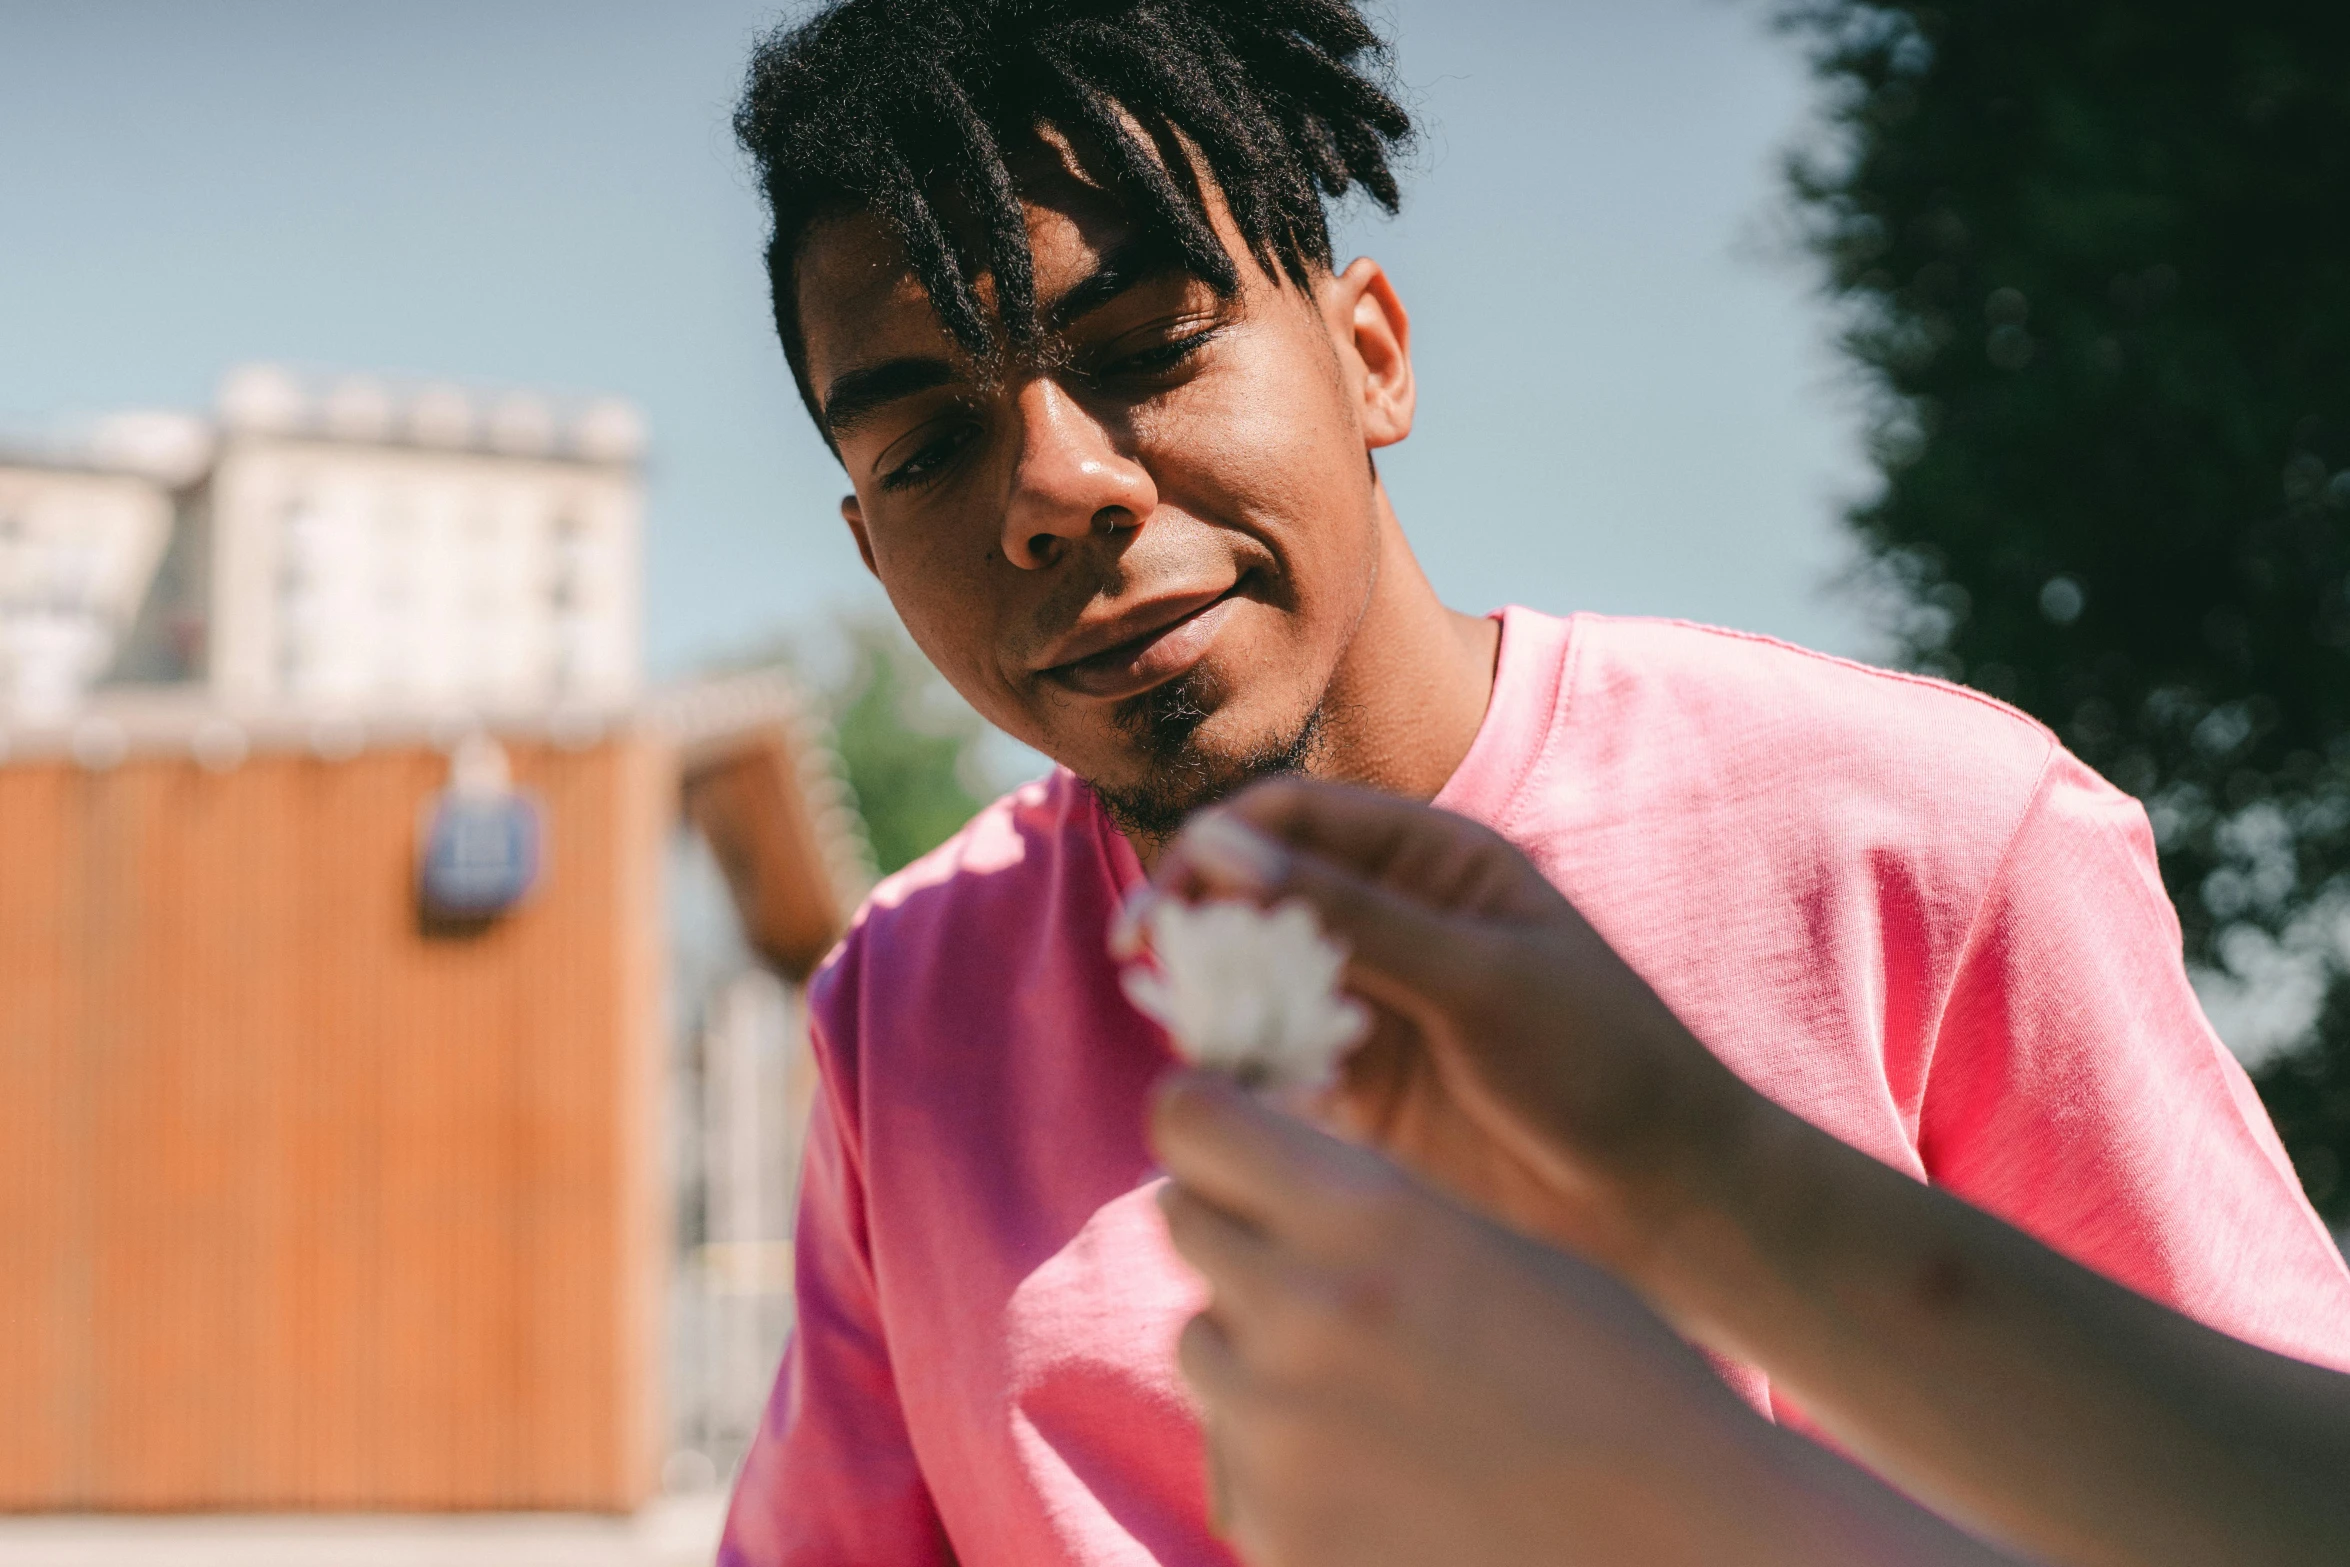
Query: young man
[1054, 281]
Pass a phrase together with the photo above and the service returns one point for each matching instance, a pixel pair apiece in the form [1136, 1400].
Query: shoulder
[1784, 685]
[1736, 696]
[1700, 737]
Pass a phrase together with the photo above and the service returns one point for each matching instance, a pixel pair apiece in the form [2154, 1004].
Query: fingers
[1208, 1362]
[1391, 931]
[1244, 1266]
[1359, 828]
[1267, 1301]
[1263, 1170]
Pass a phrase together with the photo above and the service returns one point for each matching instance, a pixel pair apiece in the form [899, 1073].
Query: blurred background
[442, 720]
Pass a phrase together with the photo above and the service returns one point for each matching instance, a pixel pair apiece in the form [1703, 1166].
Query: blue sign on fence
[481, 854]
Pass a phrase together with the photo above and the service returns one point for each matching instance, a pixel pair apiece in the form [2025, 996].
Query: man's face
[1145, 553]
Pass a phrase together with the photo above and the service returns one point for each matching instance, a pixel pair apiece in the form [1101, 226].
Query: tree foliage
[906, 742]
[2094, 261]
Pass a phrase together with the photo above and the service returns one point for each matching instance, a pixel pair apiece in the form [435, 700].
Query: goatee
[1182, 777]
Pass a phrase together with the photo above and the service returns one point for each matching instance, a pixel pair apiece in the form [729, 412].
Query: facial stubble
[1180, 774]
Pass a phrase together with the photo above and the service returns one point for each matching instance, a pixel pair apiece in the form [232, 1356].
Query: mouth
[1153, 643]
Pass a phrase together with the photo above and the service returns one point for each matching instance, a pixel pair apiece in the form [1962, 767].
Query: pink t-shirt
[1896, 907]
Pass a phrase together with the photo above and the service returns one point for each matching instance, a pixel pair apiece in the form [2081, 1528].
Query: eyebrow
[855, 396]
[1139, 260]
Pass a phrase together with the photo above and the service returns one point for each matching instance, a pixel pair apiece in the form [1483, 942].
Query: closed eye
[930, 458]
[1160, 358]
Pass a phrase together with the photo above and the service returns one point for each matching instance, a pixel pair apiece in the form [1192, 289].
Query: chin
[1185, 745]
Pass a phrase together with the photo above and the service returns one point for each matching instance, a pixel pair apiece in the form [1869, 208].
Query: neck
[1409, 692]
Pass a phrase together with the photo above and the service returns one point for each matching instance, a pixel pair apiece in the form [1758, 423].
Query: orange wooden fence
[299, 1206]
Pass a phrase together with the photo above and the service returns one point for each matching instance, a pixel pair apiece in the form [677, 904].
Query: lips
[1144, 647]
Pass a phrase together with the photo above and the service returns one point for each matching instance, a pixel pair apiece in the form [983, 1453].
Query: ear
[854, 515]
[1368, 318]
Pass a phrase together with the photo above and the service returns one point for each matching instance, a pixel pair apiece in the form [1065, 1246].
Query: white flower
[1249, 991]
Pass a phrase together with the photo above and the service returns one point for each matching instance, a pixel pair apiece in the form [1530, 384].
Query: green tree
[907, 743]
[2094, 264]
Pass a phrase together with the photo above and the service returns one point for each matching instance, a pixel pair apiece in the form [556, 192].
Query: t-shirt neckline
[1518, 715]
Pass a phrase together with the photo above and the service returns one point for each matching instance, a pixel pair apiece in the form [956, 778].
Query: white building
[78, 546]
[350, 549]
[84, 526]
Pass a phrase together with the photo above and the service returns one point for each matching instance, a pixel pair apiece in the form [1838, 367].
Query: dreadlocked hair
[895, 106]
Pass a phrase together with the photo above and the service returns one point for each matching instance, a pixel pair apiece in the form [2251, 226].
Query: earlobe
[854, 515]
[1382, 337]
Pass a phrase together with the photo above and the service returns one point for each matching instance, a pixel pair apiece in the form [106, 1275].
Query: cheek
[939, 594]
[1272, 445]
[918, 570]
[1275, 420]
[937, 550]
[1292, 479]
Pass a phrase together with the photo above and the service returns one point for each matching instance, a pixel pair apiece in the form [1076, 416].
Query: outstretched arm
[2024, 1394]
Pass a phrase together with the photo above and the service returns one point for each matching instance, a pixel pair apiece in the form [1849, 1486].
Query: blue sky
[1626, 400]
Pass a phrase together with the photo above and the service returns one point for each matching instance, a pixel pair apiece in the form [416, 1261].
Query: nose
[1070, 481]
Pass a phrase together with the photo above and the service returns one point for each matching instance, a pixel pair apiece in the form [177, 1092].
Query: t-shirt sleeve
[831, 1475]
[2077, 1091]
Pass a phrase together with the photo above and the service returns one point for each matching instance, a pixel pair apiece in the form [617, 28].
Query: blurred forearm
[2019, 1392]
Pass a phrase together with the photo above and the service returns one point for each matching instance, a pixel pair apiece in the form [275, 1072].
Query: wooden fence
[301, 1206]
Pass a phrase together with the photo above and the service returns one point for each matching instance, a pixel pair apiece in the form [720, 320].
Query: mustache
[1064, 605]
[1175, 546]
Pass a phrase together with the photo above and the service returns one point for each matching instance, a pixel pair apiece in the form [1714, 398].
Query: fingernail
[1179, 1082]
[1230, 850]
[1126, 927]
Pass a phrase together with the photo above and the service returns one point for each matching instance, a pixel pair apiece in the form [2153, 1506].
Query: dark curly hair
[893, 106]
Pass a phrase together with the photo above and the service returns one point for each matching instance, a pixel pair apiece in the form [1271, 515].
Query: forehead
[858, 297]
